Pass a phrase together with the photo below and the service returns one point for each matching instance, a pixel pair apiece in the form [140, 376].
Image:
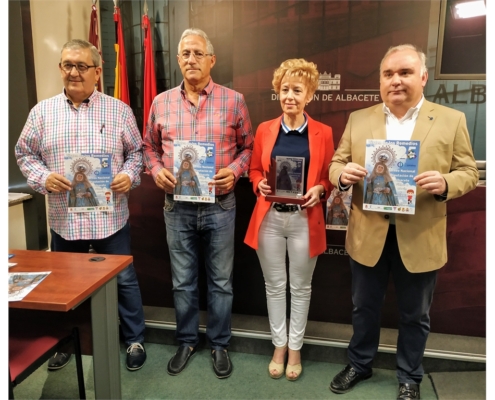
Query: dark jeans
[129, 296]
[210, 225]
[414, 296]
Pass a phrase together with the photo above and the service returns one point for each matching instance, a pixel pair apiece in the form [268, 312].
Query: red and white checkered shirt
[101, 124]
[221, 117]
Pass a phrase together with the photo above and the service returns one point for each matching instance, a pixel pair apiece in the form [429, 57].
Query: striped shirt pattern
[221, 117]
[102, 124]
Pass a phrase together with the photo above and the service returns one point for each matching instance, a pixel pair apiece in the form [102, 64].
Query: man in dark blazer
[410, 247]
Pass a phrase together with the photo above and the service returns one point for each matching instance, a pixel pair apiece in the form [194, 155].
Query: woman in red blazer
[278, 228]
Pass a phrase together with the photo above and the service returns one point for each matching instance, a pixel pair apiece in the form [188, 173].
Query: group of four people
[410, 247]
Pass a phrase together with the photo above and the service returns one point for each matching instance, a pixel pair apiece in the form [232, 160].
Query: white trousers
[280, 232]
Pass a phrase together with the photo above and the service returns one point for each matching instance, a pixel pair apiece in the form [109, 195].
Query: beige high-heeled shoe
[279, 368]
[297, 369]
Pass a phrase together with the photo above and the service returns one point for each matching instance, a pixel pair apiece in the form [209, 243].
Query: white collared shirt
[301, 129]
[401, 129]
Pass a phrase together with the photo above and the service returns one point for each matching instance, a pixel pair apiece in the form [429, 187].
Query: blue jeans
[129, 296]
[212, 226]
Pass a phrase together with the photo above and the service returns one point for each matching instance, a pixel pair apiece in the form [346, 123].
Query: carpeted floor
[249, 381]
[459, 385]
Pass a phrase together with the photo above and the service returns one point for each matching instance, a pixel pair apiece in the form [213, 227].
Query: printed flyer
[338, 206]
[90, 175]
[389, 185]
[22, 283]
[194, 168]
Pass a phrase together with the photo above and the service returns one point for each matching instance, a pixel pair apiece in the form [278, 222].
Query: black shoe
[179, 361]
[136, 356]
[58, 360]
[408, 391]
[346, 379]
[221, 363]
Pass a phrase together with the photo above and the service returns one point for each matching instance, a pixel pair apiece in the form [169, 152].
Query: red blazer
[321, 151]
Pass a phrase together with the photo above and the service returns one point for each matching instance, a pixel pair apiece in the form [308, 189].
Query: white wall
[54, 23]
[17, 231]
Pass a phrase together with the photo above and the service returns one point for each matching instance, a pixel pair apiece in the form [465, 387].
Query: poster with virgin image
[389, 186]
[286, 178]
[194, 168]
[90, 175]
[338, 206]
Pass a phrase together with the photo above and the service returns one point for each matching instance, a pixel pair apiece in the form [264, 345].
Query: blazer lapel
[378, 122]
[426, 119]
[269, 141]
[315, 138]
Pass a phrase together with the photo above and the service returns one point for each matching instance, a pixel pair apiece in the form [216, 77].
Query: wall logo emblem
[327, 82]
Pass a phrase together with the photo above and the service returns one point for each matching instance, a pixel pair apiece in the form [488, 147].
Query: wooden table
[73, 279]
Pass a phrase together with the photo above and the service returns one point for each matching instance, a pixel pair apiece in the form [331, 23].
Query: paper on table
[21, 283]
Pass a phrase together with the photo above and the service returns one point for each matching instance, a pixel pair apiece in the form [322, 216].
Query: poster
[90, 175]
[286, 179]
[389, 186]
[338, 206]
[194, 168]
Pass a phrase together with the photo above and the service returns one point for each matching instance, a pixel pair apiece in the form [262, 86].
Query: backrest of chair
[31, 344]
[28, 350]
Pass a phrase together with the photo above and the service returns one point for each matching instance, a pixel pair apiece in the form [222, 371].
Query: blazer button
[387, 216]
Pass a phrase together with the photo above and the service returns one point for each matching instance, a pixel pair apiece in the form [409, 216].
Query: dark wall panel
[345, 38]
[458, 307]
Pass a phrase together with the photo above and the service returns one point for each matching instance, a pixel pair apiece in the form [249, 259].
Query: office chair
[31, 347]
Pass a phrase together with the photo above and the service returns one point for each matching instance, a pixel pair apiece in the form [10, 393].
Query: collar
[86, 101]
[410, 114]
[297, 131]
[206, 90]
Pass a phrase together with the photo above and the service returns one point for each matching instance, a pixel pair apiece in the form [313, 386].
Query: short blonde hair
[297, 67]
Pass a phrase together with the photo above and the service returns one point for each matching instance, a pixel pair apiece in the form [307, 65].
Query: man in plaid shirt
[200, 110]
[83, 120]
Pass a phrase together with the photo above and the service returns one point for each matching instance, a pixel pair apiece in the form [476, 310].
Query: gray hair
[401, 47]
[83, 44]
[197, 32]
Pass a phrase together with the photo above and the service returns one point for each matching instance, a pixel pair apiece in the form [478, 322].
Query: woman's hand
[264, 188]
[313, 196]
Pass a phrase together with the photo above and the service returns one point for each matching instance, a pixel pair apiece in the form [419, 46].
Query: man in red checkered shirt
[200, 110]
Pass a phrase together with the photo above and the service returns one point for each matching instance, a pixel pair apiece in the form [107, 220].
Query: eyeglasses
[198, 55]
[81, 68]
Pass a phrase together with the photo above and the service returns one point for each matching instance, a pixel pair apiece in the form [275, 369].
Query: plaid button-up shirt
[101, 124]
[221, 117]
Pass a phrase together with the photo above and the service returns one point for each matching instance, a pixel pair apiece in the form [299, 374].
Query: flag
[149, 81]
[121, 90]
[94, 38]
